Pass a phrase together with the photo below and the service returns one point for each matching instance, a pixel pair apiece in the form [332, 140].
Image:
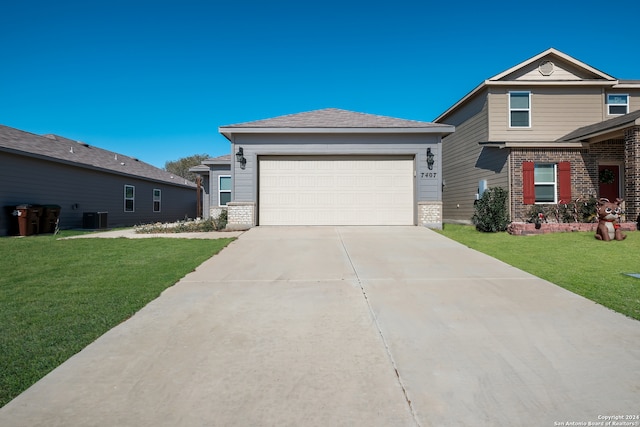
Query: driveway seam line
[377, 324]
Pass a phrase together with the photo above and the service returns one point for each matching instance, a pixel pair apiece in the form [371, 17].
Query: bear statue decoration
[609, 220]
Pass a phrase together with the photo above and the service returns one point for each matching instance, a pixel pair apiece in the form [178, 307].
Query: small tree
[491, 213]
[181, 166]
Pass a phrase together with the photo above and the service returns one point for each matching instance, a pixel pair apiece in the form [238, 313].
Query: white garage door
[335, 190]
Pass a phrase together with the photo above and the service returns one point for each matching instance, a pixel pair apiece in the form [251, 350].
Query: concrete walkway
[349, 326]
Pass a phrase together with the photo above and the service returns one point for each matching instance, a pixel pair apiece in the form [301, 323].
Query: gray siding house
[216, 184]
[330, 167]
[80, 178]
[548, 130]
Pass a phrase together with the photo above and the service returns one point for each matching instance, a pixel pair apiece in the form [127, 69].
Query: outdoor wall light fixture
[240, 157]
[430, 160]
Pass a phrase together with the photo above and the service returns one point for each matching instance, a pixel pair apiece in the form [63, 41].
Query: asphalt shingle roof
[220, 159]
[601, 126]
[334, 118]
[64, 150]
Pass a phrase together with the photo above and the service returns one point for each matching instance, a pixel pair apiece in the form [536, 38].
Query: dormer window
[617, 104]
[519, 109]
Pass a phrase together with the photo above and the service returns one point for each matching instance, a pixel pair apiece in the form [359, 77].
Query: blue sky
[155, 79]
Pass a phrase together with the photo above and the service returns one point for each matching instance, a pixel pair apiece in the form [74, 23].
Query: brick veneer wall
[584, 169]
[215, 212]
[241, 215]
[430, 214]
[632, 172]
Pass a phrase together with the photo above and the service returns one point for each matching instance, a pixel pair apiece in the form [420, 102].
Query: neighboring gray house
[81, 178]
[216, 184]
[330, 167]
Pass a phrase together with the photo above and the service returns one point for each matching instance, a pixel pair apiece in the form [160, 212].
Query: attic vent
[85, 144]
[136, 160]
[546, 68]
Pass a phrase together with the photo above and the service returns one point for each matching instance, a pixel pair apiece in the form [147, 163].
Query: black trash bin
[11, 217]
[49, 218]
[28, 219]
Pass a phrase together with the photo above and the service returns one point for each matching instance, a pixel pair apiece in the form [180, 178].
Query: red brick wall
[632, 172]
[584, 169]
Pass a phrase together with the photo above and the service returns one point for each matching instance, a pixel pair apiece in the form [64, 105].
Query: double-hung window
[157, 198]
[545, 183]
[519, 109]
[617, 104]
[129, 198]
[224, 190]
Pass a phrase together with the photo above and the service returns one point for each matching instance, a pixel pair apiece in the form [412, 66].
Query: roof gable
[64, 150]
[551, 65]
[564, 70]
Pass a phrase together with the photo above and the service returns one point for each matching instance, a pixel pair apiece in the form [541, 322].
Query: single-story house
[328, 167]
[551, 130]
[80, 178]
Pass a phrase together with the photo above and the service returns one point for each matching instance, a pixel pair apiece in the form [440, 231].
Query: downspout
[198, 196]
[509, 183]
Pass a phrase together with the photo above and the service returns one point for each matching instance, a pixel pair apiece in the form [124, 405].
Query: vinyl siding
[634, 100]
[37, 181]
[466, 162]
[554, 112]
[245, 180]
[216, 171]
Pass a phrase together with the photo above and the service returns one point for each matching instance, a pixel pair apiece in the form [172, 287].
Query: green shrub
[221, 221]
[537, 214]
[190, 226]
[491, 213]
[579, 210]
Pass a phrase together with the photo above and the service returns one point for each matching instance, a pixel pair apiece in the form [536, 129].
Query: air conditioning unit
[94, 220]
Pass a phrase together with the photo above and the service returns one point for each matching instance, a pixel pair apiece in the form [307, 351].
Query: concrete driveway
[349, 326]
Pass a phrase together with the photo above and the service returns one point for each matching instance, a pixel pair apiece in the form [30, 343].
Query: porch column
[632, 172]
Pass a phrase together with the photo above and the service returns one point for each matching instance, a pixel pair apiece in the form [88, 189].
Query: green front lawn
[57, 296]
[575, 261]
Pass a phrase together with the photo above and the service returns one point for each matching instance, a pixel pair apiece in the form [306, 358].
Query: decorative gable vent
[546, 68]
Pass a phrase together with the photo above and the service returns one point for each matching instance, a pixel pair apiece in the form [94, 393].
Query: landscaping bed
[528, 228]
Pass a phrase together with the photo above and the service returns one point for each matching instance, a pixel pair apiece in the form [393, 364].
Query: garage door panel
[336, 190]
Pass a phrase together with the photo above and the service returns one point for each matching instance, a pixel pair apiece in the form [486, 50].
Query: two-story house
[551, 129]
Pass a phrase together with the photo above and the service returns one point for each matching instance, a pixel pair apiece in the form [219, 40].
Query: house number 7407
[427, 174]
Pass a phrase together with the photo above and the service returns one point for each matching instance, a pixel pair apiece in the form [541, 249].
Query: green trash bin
[49, 218]
[28, 219]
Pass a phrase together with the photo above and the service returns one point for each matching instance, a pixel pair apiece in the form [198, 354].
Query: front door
[609, 181]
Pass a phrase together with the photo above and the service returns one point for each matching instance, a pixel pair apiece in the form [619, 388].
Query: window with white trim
[617, 104]
[545, 182]
[224, 190]
[157, 198]
[519, 109]
[129, 198]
